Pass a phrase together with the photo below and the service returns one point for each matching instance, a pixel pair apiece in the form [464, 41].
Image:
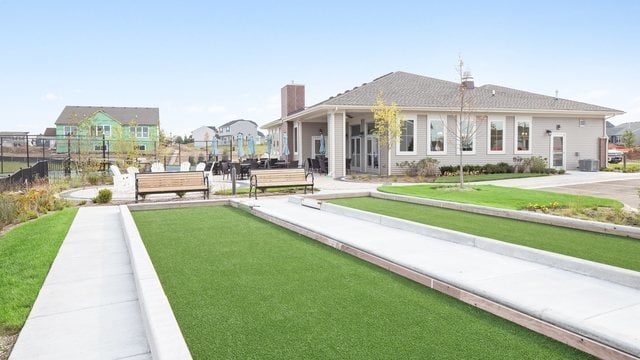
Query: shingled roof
[71, 115]
[411, 90]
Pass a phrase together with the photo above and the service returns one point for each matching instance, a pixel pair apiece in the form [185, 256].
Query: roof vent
[467, 80]
[493, 93]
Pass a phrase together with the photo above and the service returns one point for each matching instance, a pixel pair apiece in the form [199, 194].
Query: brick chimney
[292, 97]
[467, 80]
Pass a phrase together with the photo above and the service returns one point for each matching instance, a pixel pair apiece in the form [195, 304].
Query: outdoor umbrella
[285, 146]
[239, 144]
[269, 140]
[251, 144]
[322, 150]
[214, 147]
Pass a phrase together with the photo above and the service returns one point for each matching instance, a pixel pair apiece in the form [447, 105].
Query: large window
[467, 136]
[406, 144]
[496, 136]
[99, 130]
[522, 135]
[139, 131]
[437, 136]
[71, 130]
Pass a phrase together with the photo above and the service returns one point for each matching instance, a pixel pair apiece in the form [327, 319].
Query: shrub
[180, 193]
[192, 160]
[93, 179]
[104, 196]
[425, 167]
[561, 171]
[538, 164]
[201, 158]
[8, 209]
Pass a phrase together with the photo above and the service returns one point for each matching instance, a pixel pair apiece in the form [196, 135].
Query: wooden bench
[263, 179]
[171, 182]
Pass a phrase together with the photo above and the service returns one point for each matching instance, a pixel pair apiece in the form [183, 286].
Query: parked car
[614, 156]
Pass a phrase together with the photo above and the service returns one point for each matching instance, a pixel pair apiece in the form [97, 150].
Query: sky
[205, 63]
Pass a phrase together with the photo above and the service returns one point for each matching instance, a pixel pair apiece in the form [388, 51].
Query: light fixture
[548, 132]
[558, 127]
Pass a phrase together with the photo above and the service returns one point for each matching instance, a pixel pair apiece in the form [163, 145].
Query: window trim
[444, 135]
[528, 120]
[502, 120]
[473, 141]
[415, 139]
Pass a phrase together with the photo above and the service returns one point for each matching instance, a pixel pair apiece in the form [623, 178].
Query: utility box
[591, 165]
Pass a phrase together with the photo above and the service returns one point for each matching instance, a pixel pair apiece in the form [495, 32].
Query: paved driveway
[619, 186]
[625, 191]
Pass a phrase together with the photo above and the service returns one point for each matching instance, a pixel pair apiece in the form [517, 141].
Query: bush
[561, 171]
[201, 158]
[424, 167]
[93, 179]
[538, 164]
[104, 196]
[180, 193]
[192, 160]
[8, 209]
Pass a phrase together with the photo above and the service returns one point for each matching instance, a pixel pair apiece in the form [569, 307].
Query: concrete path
[570, 178]
[88, 307]
[625, 191]
[598, 309]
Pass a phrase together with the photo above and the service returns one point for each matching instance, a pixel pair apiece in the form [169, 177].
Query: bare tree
[468, 122]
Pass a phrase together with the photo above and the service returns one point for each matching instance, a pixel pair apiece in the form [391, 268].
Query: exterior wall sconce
[558, 127]
[548, 132]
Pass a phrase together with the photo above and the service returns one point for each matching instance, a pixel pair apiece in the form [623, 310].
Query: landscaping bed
[602, 248]
[241, 287]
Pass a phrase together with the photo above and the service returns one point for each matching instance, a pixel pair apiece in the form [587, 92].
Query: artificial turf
[603, 248]
[241, 287]
[26, 254]
[501, 197]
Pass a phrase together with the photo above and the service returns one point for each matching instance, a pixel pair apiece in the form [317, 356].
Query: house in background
[13, 138]
[231, 129]
[202, 135]
[90, 123]
[615, 132]
[47, 139]
[509, 123]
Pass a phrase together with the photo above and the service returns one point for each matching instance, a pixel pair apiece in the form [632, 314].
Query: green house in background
[85, 126]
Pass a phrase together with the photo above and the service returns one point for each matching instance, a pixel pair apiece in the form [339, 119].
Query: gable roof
[411, 90]
[72, 115]
[49, 132]
[619, 130]
[235, 121]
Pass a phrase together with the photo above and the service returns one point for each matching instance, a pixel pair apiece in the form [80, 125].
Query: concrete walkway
[88, 307]
[598, 309]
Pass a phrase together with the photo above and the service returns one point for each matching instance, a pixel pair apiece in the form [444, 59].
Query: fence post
[179, 154]
[27, 141]
[43, 155]
[1, 157]
[104, 154]
[67, 163]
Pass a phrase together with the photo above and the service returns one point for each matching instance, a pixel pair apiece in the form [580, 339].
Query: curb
[593, 226]
[163, 333]
[596, 270]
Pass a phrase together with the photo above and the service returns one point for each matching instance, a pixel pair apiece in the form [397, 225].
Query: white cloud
[51, 97]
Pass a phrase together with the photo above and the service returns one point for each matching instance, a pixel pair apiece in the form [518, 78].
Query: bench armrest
[312, 177]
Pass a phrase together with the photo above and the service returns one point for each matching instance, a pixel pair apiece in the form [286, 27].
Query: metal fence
[21, 152]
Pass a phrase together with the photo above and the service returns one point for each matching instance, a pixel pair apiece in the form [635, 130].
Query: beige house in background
[508, 123]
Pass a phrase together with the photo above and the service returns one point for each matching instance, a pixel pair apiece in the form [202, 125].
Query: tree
[628, 138]
[388, 123]
[467, 122]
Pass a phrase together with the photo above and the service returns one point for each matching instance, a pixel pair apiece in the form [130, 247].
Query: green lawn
[26, 254]
[241, 287]
[11, 166]
[485, 177]
[607, 249]
[245, 190]
[500, 197]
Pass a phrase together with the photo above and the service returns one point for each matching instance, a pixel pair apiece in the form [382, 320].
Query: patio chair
[224, 169]
[309, 165]
[157, 167]
[315, 165]
[322, 163]
[348, 166]
[201, 166]
[132, 170]
[185, 166]
[122, 182]
[293, 164]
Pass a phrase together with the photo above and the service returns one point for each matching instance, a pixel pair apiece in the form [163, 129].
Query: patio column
[336, 143]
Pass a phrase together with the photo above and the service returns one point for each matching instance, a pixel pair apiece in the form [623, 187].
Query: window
[141, 147]
[496, 136]
[467, 136]
[582, 122]
[295, 140]
[99, 147]
[437, 136]
[522, 135]
[407, 135]
[139, 131]
[98, 130]
[71, 130]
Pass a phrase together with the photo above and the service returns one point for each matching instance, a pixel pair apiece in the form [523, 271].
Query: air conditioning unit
[591, 165]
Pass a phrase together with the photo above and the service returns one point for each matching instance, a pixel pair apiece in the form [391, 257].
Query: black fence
[23, 178]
